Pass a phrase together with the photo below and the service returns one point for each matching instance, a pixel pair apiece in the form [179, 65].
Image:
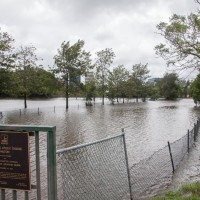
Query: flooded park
[148, 126]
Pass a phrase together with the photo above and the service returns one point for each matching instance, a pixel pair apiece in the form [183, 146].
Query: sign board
[14, 160]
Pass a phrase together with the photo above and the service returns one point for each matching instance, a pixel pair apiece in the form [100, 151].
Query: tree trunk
[103, 90]
[67, 91]
[25, 103]
[103, 98]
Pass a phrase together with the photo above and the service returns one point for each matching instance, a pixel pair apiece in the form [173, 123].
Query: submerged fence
[100, 170]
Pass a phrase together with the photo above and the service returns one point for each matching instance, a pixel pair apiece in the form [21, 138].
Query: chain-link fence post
[170, 152]
[195, 132]
[188, 137]
[126, 157]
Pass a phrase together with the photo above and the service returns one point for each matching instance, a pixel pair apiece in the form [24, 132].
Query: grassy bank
[186, 192]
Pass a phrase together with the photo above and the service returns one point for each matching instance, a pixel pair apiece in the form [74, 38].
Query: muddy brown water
[148, 126]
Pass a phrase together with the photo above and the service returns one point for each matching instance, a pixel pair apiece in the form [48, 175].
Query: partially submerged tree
[71, 61]
[139, 75]
[103, 62]
[26, 59]
[169, 86]
[117, 83]
[90, 90]
[182, 47]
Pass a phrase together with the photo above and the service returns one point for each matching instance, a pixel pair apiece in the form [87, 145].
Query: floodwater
[148, 125]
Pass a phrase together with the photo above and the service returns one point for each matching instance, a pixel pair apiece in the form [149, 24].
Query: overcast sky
[126, 26]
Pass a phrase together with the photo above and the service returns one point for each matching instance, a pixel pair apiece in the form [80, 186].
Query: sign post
[14, 160]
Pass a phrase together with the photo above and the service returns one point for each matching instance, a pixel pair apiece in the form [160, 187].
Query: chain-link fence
[150, 175]
[99, 170]
[94, 171]
[154, 174]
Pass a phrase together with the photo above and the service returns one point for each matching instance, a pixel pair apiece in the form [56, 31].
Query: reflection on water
[148, 126]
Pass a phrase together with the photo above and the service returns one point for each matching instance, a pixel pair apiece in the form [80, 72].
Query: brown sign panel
[14, 160]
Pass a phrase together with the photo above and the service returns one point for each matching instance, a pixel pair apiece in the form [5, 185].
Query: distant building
[89, 76]
[153, 81]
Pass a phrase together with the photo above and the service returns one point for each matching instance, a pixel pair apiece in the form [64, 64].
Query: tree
[7, 60]
[26, 59]
[103, 62]
[8, 85]
[139, 75]
[195, 90]
[169, 87]
[184, 88]
[7, 57]
[71, 61]
[90, 90]
[153, 91]
[43, 83]
[117, 83]
[182, 47]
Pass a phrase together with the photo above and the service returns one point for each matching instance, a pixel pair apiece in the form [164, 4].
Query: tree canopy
[71, 61]
[7, 56]
[181, 48]
[103, 62]
[169, 86]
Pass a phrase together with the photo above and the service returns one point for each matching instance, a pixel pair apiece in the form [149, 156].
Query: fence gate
[28, 162]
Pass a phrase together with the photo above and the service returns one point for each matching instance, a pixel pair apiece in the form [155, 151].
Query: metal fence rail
[94, 171]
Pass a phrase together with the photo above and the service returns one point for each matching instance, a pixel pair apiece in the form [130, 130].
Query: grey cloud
[126, 26]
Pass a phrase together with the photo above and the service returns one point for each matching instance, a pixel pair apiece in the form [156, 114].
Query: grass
[186, 192]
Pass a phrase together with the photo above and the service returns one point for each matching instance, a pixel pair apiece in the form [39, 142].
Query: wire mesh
[179, 148]
[94, 171]
[151, 174]
[191, 138]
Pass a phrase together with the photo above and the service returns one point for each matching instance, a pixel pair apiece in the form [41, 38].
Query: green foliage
[117, 79]
[153, 92]
[90, 90]
[7, 57]
[195, 90]
[103, 62]
[25, 61]
[44, 83]
[138, 77]
[169, 86]
[41, 83]
[70, 61]
[182, 47]
[8, 86]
